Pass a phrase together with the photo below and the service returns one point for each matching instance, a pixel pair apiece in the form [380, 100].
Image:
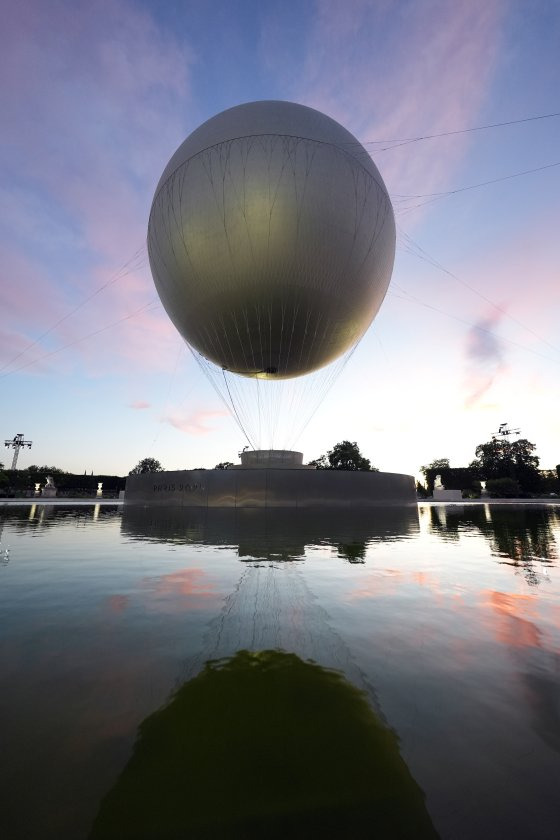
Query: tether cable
[405, 141]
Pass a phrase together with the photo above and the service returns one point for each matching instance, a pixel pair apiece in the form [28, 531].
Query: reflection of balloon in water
[265, 745]
[271, 240]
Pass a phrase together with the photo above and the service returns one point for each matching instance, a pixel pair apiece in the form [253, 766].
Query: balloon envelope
[271, 239]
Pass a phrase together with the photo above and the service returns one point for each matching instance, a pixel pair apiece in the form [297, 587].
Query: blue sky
[99, 97]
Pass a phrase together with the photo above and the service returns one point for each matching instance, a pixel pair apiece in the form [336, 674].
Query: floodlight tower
[504, 431]
[16, 444]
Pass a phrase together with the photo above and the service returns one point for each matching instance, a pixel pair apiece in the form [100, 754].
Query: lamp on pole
[16, 444]
[505, 432]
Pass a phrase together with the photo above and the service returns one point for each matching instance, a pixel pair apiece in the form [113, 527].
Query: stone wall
[269, 488]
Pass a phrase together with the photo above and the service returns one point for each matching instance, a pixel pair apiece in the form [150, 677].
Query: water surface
[384, 673]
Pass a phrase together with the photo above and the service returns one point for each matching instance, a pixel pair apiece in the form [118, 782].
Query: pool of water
[389, 673]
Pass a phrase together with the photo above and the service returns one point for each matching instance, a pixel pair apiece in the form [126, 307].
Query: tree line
[509, 468]
[21, 483]
[345, 455]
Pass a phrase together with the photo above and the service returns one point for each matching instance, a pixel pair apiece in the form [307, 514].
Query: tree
[45, 469]
[550, 483]
[146, 465]
[224, 465]
[346, 455]
[502, 458]
[507, 488]
[474, 467]
[437, 464]
[320, 463]
[526, 465]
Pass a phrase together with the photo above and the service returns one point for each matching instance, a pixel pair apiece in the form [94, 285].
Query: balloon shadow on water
[264, 744]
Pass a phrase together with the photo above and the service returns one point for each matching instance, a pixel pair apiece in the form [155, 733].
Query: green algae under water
[264, 745]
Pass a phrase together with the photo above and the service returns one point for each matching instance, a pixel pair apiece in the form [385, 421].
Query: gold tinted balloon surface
[271, 240]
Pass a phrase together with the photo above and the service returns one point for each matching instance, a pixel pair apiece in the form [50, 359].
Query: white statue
[440, 494]
[49, 489]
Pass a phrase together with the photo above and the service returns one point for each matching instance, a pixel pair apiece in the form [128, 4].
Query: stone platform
[270, 487]
[442, 495]
[278, 459]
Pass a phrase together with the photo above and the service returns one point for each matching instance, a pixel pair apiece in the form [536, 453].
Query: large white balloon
[271, 239]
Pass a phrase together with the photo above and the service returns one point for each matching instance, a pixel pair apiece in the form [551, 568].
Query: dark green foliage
[437, 464]
[146, 465]
[22, 483]
[474, 469]
[45, 470]
[474, 491]
[453, 478]
[264, 745]
[224, 465]
[345, 455]
[85, 483]
[321, 463]
[506, 488]
[550, 482]
[496, 459]
[502, 458]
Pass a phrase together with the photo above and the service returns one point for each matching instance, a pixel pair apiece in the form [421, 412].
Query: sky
[97, 97]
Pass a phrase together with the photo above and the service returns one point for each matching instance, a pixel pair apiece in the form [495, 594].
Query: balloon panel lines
[295, 282]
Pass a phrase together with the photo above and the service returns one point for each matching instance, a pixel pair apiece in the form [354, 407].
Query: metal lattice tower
[505, 432]
[16, 444]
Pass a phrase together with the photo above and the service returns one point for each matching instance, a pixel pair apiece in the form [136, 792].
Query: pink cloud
[94, 112]
[139, 404]
[431, 72]
[195, 423]
[484, 358]
[95, 109]
[121, 333]
[26, 295]
[28, 303]
[512, 272]
[124, 328]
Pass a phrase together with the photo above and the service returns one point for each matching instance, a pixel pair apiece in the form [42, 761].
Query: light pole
[16, 444]
[504, 431]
